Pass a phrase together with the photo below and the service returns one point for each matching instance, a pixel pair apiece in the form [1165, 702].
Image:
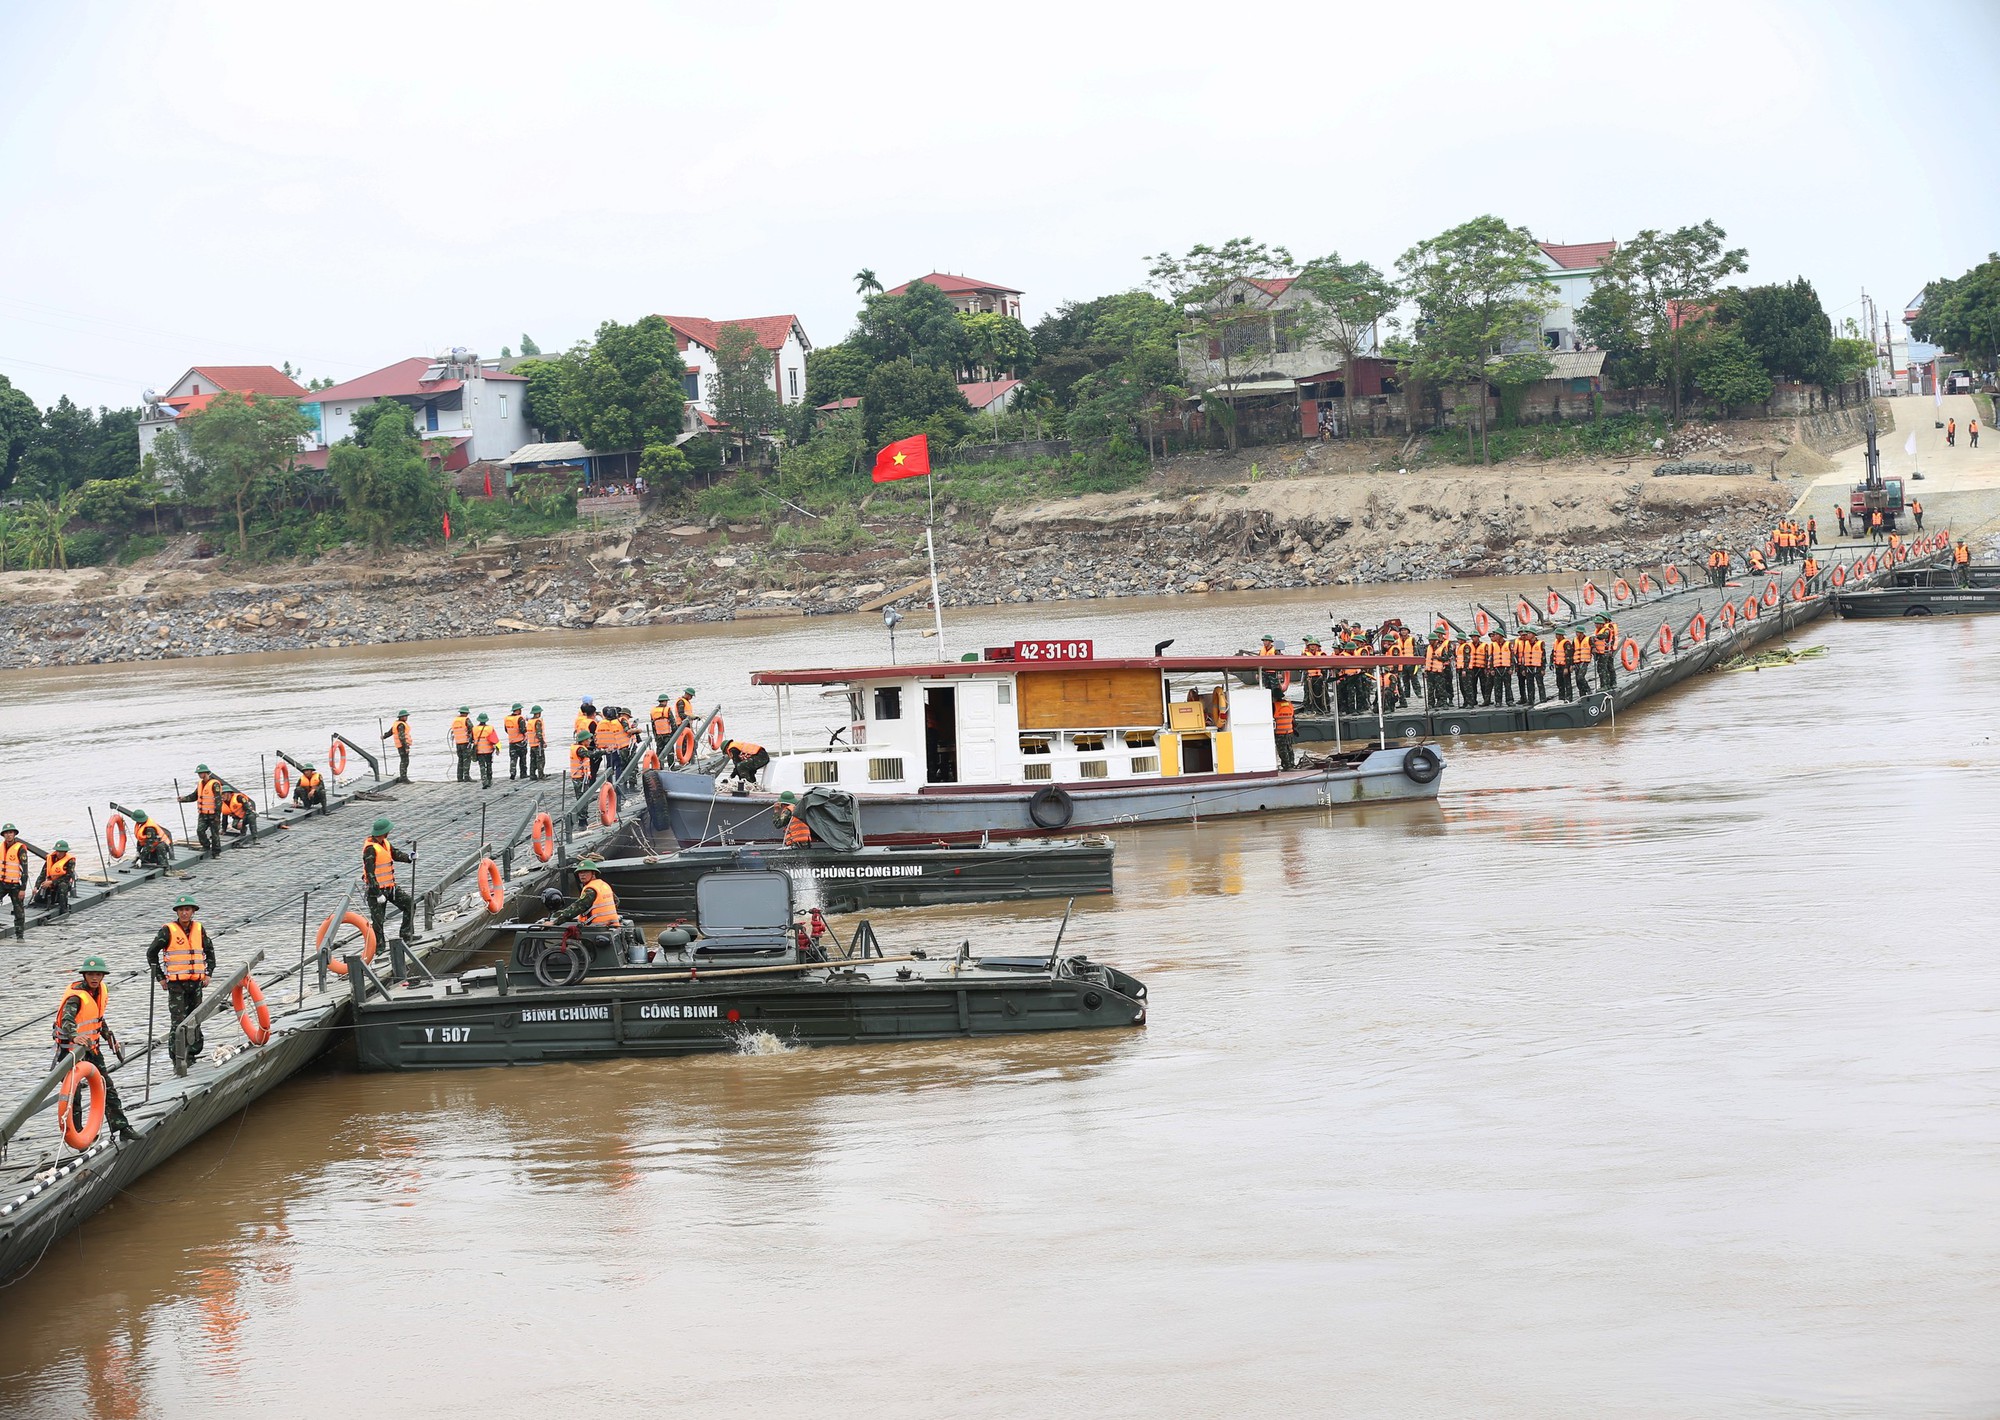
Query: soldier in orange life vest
[1812, 532]
[485, 744]
[379, 858]
[746, 759]
[461, 740]
[155, 846]
[207, 818]
[239, 814]
[1603, 646]
[400, 733]
[614, 740]
[58, 878]
[538, 745]
[1559, 658]
[586, 724]
[1269, 647]
[1284, 725]
[81, 1020]
[595, 905]
[14, 876]
[310, 790]
[1579, 661]
[1528, 667]
[661, 716]
[684, 707]
[1316, 701]
[1961, 563]
[516, 726]
[580, 775]
[182, 958]
[793, 830]
[1499, 668]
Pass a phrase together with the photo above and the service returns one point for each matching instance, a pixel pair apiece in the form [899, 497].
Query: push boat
[1036, 740]
[574, 994]
[1924, 591]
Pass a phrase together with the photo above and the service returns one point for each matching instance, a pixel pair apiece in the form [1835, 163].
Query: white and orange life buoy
[114, 835]
[337, 965]
[492, 891]
[336, 757]
[82, 1075]
[251, 1013]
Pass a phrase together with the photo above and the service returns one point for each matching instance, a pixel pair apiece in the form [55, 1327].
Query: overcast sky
[346, 186]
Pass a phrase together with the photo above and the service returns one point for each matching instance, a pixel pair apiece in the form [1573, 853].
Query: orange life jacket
[310, 783]
[461, 731]
[185, 958]
[611, 733]
[517, 727]
[89, 1013]
[485, 739]
[400, 734]
[603, 910]
[379, 864]
[536, 738]
[205, 795]
[13, 863]
[579, 762]
[151, 835]
[1284, 719]
[663, 720]
[797, 834]
[58, 865]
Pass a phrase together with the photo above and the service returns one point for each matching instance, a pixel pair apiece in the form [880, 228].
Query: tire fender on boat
[1422, 764]
[1051, 807]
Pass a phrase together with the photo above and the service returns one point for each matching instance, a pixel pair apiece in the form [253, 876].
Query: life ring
[1621, 590]
[1727, 616]
[607, 804]
[1051, 807]
[1221, 706]
[1770, 593]
[1523, 612]
[684, 746]
[1666, 639]
[336, 757]
[1698, 629]
[1672, 576]
[1750, 608]
[543, 837]
[650, 759]
[715, 733]
[1629, 654]
[1284, 682]
[1481, 623]
[114, 835]
[1799, 590]
[281, 779]
[83, 1073]
[1421, 764]
[491, 891]
[1555, 605]
[1645, 582]
[337, 965]
[1870, 565]
[1840, 576]
[1590, 594]
[1770, 549]
[256, 1023]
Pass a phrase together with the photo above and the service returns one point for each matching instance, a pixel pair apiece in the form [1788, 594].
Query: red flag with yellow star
[906, 458]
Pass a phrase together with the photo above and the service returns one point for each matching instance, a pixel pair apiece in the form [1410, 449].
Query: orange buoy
[543, 837]
[257, 1025]
[1750, 608]
[1727, 616]
[1666, 639]
[1840, 576]
[281, 780]
[650, 759]
[360, 924]
[1799, 590]
[1673, 575]
[490, 890]
[1770, 594]
[1629, 654]
[81, 1075]
[1555, 605]
[336, 756]
[716, 732]
[684, 746]
[607, 805]
[1590, 594]
[1523, 612]
[1645, 582]
[1698, 629]
[1622, 590]
[114, 835]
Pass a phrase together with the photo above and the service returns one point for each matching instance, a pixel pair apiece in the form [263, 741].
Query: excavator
[1874, 494]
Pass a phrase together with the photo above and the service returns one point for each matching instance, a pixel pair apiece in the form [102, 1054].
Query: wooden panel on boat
[1076, 698]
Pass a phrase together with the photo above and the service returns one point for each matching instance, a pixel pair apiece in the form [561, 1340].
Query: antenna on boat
[1059, 933]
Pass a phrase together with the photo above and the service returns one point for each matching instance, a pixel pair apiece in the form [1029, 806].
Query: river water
[1648, 1072]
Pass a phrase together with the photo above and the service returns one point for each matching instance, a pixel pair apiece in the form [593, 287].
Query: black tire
[574, 959]
[1051, 807]
[1918, 611]
[1422, 764]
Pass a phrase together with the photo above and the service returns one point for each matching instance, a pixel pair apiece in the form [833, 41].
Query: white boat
[1038, 739]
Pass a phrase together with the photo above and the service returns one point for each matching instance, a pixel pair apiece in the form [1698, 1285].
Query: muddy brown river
[1649, 1072]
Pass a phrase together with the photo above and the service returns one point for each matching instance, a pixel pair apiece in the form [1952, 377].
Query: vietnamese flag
[906, 458]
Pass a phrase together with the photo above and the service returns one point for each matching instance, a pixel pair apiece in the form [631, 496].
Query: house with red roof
[193, 391]
[697, 338]
[1572, 272]
[480, 408]
[969, 294]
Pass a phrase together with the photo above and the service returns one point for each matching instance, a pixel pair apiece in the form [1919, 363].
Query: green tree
[1216, 310]
[921, 326]
[740, 391]
[528, 346]
[116, 502]
[551, 392]
[236, 441]
[904, 398]
[1348, 300]
[42, 528]
[1728, 371]
[1647, 300]
[1852, 358]
[1479, 289]
[19, 421]
[663, 466]
[995, 345]
[836, 372]
[1786, 327]
[386, 481]
[1133, 328]
[628, 391]
[1962, 315]
[865, 284]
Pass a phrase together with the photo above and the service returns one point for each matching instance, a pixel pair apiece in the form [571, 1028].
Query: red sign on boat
[1055, 650]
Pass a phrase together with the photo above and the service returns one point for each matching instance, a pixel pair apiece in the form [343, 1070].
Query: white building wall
[493, 415]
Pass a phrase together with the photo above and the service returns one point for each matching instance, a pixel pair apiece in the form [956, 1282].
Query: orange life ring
[1770, 549]
[1727, 616]
[1870, 565]
[491, 892]
[607, 805]
[1481, 623]
[1221, 706]
[1750, 608]
[1666, 639]
[114, 835]
[1555, 605]
[1523, 612]
[281, 779]
[684, 746]
[1770, 594]
[543, 837]
[1590, 594]
[1629, 654]
[360, 924]
[1645, 582]
[715, 733]
[1622, 590]
[256, 1024]
[82, 1073]
[1799, 590]
[1698, 629]
[1840, 576]
[336, 757]
[650, 759]
[1284, 684]
[1672, 576]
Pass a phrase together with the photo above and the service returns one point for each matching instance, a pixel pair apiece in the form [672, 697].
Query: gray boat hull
[695, 813]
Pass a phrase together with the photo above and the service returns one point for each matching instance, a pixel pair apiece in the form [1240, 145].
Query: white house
[1572, 272]
[457, 396]
[192, 392]
[990, 396]
[696, 337]
[969, 294]
[1268, 345]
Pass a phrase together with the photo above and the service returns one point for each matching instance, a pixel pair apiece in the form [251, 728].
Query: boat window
[1034, 744]
[822, 771]
[1038, 771]
[1006, 693]
[879, 769]
[1093, 768]
[1140, 739]
[889, 704]
[1088, 742]
[1145, 764]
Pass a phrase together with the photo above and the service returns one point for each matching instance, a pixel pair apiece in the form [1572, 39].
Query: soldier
[746, 759]
[580, 774]
[1284, 726]
[1316, 702]
[485, 744]
[1437, 668]
[155, 844]
[1812, 531]
[310, 792]
[1603, 647]
[239, 814]
[58, 878]
[1269, 679]
[1917, 512]
[595, 905]
[1961, 569]
[586, 724]
[1528, 666]
[1718, 567]
[81, 1021]
[207, 818]
[379, 858]
[684, 708]
[786, 819]
[1559, 658]
[1469, 660]
[461, 739]
[14, 876]
[182, 958]
[1500, 662]
[1579, 661]
[538, 745]
[516, 725]
[661, 716]
[399, 733]
[1840, 519]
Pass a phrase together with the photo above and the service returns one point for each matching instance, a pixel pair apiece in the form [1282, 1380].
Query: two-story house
[1572, 271]
[456, 396]
[969, 294]
[193, 391]
[697, 337]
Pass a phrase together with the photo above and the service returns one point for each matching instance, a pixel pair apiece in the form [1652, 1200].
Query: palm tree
[865, 283]
[44, 525]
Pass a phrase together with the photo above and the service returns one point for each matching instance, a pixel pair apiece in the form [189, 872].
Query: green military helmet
[402, 714]
[184, 900]
[517, 706]
[62, 845]
[201, 769]
[139, 817]
[382, 825]
[788, 797]
[94, 963]
[688, 691]
[482, 717]
[583, 737]
[8, 828]
[589, 863]
[663, 697]
[535, 710]
[311, 768]
[1267, 636]
[465, 709]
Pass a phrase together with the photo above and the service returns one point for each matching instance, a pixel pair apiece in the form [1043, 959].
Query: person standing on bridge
[207, 812]
[1579, 661]
[1315, 691]
[580, 775]
[1917, 512]
[1718, 567]
[1603, 652]
[461, 739]
[538, 745]
[684, 708]
[1499, 668]
[182, 958]
[1532, 657]
[1812, 531]
[516, 726]
[661, 718]
[400, 734]
[379, 858]
[81, 1021]
[14, 876]
[485, 744]
[1559, 658]
[1810, 571]
[1875, 526]
[1961, 567]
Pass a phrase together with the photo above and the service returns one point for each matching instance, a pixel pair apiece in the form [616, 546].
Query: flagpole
[930, 547]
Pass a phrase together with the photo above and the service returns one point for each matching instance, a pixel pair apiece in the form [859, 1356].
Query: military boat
[1924, 591]
[749, 971]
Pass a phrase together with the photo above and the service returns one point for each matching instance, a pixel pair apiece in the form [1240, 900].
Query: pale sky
[347, 185]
